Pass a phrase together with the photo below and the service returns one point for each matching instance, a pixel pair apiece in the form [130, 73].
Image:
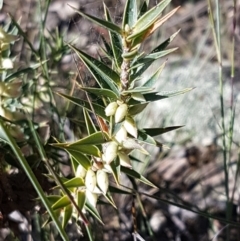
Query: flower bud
[121, 112]
[90, 180]
[124, 160]
[110, 152]
[121, 135]
[92, 198]
[111, 109]
[130, 126]
[81, 171]
[102, 180]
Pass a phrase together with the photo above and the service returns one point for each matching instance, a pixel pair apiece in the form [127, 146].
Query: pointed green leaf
[93, 139]
[136, 109]
[138, 90]
[80, 158]
[85, 149]
[74, 182]
[130, 14]
[110, 199]
[134, 174]
[108, 49]
[116, 44]
[53, 199]
[98, 109]
[160, 131]
[144, 66]
[116, 170]
[143, 137]
[61, 203]
[101, 92]
[91, 128]
[108, 25]
[146, 20]
[81, 199]
[67, 214]
[113, 189]
[154, 78]
[93, 211]
[108, 75]
[155, 96]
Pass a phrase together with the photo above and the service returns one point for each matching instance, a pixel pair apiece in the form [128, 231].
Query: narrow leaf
[93, 139]
[154, 78]
[108, 25]
[146, 20]
[74, 182]
[100, 92]
[61, 203]
[159, 131]
[99, 110]
[67, 214]
[108, 75]
[80, 158]
[115, 40]
[86, 149]
[130, 13]
[81, 199]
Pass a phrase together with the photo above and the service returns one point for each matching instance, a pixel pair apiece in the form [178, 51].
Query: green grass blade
[5, 136]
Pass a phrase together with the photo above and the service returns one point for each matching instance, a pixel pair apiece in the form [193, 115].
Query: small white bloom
[102, 180]
[111, 109]
[90, 180]
[131, 126]
[124, 160]
[121, 112]
[110, 152]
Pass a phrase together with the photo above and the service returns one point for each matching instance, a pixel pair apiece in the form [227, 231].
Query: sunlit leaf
[147, 139]
[130, 14]
[155, 77]
[146, 20]
[79, 158]
[86, 149]
[101, 92]
[81, 199]
[61, 203]
[93, 139]
[67, 214]
[74, 182]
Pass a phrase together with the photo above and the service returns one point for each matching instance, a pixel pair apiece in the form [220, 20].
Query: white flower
[121, 112]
